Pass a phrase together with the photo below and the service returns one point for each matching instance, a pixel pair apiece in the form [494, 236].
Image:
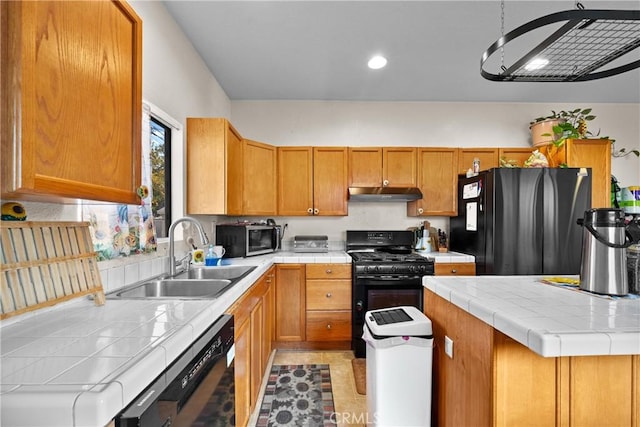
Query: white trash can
[399, 361]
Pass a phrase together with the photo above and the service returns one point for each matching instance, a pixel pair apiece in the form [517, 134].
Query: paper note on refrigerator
[472, 216]
[470, 191]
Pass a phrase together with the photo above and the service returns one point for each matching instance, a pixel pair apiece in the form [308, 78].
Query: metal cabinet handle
[420, 211]
[385, 183]
[328, 325]
[328, 271]
[328, 294]
[316, 211]
[453, 270]
[310, 211]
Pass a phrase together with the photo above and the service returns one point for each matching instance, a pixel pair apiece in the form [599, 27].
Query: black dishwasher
[196, 389]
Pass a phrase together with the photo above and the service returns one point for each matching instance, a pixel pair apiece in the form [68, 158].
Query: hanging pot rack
[577, 51]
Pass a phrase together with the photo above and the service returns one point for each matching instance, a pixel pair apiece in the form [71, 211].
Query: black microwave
[242, 240]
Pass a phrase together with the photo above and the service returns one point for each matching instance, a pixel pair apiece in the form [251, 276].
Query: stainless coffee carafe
[603, 269]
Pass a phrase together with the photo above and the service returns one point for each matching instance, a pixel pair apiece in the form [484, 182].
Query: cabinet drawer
[328, 294]
[328, 325]
[455, 269]
[328, 271]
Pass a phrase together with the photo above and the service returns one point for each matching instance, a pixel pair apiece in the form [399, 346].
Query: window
[160, 155]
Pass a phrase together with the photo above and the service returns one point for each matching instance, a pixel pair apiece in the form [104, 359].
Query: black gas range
[385, 273]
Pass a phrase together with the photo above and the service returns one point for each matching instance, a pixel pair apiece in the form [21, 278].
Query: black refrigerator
[522, 221]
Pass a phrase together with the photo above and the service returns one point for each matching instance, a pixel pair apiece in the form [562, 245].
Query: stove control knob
[359, 306]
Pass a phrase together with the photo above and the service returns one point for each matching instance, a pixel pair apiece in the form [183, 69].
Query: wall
[415, 124]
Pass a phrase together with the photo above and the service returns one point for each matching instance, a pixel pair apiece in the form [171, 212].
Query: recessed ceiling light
[536, 64]
[377, 62]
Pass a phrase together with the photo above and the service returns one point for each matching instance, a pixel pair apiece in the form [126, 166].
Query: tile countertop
[550, 320]
[454, 257]
[77, 364]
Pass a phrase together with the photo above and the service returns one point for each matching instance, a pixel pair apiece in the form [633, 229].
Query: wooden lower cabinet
[492, 380]
[290, 303]
[328, 290]
[253, 324]
[242, 366]
[455, 268]
[313, 306]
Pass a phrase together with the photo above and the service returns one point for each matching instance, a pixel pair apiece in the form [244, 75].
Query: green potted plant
[573, 125]
[560, 126]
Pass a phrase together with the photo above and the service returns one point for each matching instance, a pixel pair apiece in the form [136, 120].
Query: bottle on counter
[210, 259]
[476, 165]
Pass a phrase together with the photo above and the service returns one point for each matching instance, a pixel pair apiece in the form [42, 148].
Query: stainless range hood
[384, 194]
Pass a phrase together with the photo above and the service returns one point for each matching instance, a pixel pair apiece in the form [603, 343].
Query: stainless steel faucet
[172, 256]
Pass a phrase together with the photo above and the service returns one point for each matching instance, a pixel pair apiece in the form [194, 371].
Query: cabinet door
[257, 332]
[295, 181]
[259, 186]
[518, 155]
[242, 366]
[71, 101]
[330, 181]
[399, 167]
[214, 167]
[594, 154]
[268, 303]
[438, 181]
[290, 302]
[488, 157]
[365, 166]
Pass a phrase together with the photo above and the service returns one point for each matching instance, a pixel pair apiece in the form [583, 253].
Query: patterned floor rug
[298, 395]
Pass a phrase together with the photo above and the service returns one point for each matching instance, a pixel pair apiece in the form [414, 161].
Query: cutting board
[45, 263]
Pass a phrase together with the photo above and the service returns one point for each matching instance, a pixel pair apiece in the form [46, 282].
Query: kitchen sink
[197, 283]
[225, 272]
[175, 288]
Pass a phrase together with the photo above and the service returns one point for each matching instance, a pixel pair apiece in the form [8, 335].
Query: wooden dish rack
[45, 263]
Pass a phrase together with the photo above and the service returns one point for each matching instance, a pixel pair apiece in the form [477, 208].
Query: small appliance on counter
[606, 238]
[248, 239]
[318, 244]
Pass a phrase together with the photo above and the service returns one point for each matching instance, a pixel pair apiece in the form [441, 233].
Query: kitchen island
[529, 353]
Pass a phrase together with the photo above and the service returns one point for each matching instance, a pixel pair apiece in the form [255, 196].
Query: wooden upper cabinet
[214, 167]
[365, 166]
[399, 166]
[71, 84]
[259, 181]
[382, 166]
[295, 181]
[330, 180]
[519, 155]
[489, 158]
[312, 181]
[594, 154]
[438, 181]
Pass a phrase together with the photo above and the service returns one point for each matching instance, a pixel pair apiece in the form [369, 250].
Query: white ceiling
[318, 50]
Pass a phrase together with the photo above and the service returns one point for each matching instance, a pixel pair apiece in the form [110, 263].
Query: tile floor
[351, 407]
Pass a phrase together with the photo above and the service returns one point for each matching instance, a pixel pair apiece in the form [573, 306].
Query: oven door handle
[387, 278]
